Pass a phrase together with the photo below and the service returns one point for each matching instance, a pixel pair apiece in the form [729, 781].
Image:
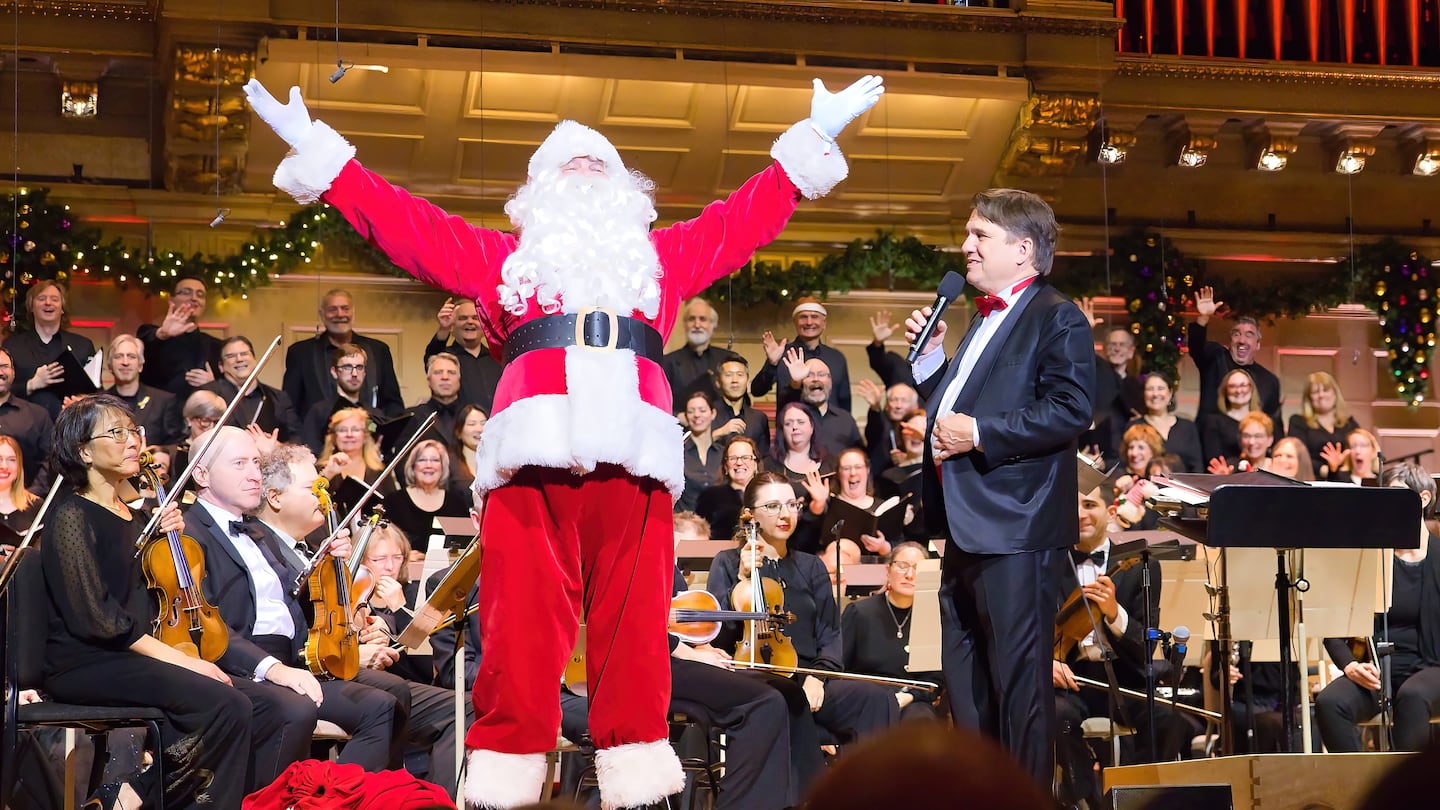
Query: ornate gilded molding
[1051, 135]
[135, 10]
[207, 126]
[1300, 74]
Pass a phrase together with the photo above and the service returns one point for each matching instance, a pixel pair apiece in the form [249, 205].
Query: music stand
[1259, 510]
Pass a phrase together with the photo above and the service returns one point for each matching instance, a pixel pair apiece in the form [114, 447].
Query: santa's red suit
[581, 460]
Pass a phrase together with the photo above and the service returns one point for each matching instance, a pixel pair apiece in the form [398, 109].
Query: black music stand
[1261, 510]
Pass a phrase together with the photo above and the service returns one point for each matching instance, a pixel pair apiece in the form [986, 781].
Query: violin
[1078, 617]
[763, 642]
[174, 567]
[333, 646]
[362, 579]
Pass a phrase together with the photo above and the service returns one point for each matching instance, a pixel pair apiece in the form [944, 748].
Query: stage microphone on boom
[950, 288]
[1179, 642]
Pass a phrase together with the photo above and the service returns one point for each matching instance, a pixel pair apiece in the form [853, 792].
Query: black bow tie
[249, 528]
[1097, 557]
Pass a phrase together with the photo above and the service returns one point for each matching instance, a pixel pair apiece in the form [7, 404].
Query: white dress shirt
[1086, 571]
[272, 614]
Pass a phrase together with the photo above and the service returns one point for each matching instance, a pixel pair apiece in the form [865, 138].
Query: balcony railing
[1364, 32]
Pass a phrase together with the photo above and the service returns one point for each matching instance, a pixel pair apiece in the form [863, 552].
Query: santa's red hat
[572, 139]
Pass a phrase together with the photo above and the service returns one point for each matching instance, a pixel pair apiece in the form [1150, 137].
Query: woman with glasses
[350, 459]
[720, 505]
[847, 709]
[393, 602]
[1220, 434]
[855, 489]
[427, 494]
[98, 649]
[1257, 434]
[876, 633]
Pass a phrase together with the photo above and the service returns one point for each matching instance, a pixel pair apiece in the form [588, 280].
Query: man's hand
[197, 377]
[1206, 305]
[1087, 308]
[45, 376]
[299, 681]
[28, 696]
[831, 112]
[445, 318]
[916, 322]
[881, 327]
[1366, 675]
[1234, 675]
[1102, 593]
[873, 394]
[774, 349]
[1062, 677]
[953, 435]
[814, 692]
[732, 425]
[290, 121]
[177, 321]
[374, 656]
[340, 546]
[265, 443]
[795, 366]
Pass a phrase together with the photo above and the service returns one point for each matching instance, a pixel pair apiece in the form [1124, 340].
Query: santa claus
[581, 459]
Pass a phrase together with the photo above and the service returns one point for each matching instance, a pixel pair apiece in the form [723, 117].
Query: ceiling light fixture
[1350, 163]
[1111, 154]
[1427, 165]
[1192, 158]
[1272, 160]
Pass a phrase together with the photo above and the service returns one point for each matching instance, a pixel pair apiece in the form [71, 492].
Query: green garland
[39, 240]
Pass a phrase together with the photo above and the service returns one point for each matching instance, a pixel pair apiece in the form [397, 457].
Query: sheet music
[93, 366]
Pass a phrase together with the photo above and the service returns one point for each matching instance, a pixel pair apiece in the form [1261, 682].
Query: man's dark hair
[237, 339]
[1024, 216]
[76, 423]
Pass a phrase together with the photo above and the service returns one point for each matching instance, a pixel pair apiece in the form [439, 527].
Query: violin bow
[11, 564]
[177, 484]
[360, 504]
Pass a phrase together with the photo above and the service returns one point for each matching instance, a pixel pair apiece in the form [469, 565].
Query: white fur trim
[637, 774]
[497, 781]
[601, 420]
[572, 139]
[813, 165]
[316, 161]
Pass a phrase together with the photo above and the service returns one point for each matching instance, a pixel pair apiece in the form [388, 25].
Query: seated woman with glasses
[427, 494]
[876, 633]
[847, 709]
[1257, 433]
[350, 459]
[98, 650]
[393, 602]
[720, 505]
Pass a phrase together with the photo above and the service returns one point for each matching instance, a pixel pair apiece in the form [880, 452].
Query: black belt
[597, 329]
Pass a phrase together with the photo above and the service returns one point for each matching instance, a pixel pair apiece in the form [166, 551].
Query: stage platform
[1271, 781]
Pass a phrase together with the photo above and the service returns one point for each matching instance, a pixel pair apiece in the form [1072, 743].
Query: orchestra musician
[847, 709]
[876, 632]
[99, 651]
[251, 584]
[1414, 630]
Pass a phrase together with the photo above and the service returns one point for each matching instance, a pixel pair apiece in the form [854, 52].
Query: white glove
[831, 112]
[290, 121]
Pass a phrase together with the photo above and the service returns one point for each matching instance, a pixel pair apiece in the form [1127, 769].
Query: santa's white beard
[584, 242]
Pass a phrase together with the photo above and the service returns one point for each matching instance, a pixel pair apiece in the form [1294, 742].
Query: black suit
[268, 407]
[479, 373]
[1006, 510]
[308, 381]
[373, 708]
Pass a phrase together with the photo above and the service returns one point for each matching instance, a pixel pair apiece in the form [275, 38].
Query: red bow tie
[987, 304]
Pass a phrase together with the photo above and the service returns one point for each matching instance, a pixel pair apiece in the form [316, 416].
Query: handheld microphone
[950, 288]
[1179, 641]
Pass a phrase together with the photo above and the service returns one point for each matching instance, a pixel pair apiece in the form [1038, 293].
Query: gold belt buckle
[583, 315]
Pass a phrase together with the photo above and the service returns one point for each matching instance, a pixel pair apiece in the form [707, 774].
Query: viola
[1078, 617]
[763, 642]
[333, 646]
[174, 567]
[362, 579]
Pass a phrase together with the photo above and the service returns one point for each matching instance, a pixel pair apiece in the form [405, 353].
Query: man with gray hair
[785, 364]
[307, 362]
[696, 365]
[1215, 360]
[127, 360]
[837, 431]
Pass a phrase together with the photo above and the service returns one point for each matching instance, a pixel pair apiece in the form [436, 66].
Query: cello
[174, 567]
[333, 646]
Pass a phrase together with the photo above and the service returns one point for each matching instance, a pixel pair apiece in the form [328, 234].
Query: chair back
[22, 648]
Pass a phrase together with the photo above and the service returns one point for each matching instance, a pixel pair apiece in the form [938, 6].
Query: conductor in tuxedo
[1005, 414]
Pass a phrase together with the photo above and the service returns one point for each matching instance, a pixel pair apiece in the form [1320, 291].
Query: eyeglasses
[351, 368]
[121, 434]
[205, 422]
[903, 568]
[392, 558]
[850, 468]
[739, 459]
[775, 507]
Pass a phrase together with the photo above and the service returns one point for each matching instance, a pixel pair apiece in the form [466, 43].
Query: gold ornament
[1380, 288]
[26, 278]
[61, 275]
[24, 209]
[47, 258]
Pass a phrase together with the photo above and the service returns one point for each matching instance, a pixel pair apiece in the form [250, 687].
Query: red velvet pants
[558, 544]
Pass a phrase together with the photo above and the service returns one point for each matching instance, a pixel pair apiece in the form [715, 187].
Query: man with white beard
[696, 365]
[581, 458]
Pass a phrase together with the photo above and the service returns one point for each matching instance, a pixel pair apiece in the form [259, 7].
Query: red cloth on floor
[320, 785]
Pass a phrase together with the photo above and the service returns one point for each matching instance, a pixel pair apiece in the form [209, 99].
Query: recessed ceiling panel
[907, 178]
[400, 90]
[770, 109]
[514, 96]
[499, 162]
[647, 103]
[392, 157]
[916, 116]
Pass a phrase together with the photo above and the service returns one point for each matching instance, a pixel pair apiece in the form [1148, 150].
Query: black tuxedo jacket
[1031, 393]
[308, 381]
[231, 590]
[1130, 647]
